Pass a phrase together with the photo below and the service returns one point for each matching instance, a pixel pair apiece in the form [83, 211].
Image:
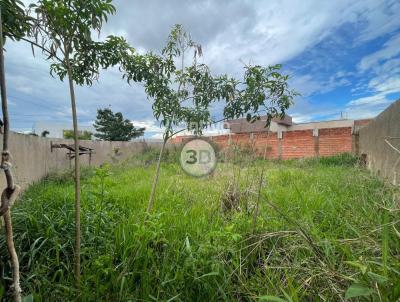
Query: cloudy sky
[342, 56]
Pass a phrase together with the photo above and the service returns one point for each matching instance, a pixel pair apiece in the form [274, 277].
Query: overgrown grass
[326, 230]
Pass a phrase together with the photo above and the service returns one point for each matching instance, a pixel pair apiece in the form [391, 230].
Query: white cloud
[308, 85]
[385, 85]
[211, 130]
[382, 67]
[381, 21]
[230, 31]
[250, 31]
[150, 125]
[370, 106]
[301, 118]
[305, 111]
[390, 49]
[367, 107]
[157, 136]
[282, 30]
[305, 84]
[376, 99]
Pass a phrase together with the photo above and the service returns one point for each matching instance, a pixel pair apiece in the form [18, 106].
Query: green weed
[326, 231]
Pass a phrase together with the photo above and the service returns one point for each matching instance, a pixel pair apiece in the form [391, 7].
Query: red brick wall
[335, 141]
[266, 144]
[297, 144]
[363, 122]
[294, 144]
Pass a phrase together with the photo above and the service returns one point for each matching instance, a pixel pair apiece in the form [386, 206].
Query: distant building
[286, 124]
[57, 130]
[243, 126]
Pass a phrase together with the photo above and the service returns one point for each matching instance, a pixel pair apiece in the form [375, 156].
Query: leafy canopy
[263, 90]
[15, 21]
[184, 94]
[113, 127]
[175, 89]
[62, 30]
[82, 135]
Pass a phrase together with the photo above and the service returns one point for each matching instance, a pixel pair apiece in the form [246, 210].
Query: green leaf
[188, 248]
[236, 237]
[271, 298]
[377, 278]
[207, 275]
[363, 268]
[358, 290]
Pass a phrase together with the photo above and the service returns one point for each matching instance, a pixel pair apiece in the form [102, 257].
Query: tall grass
[327, 231]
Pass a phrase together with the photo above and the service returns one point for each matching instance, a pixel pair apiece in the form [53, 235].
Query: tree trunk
[13, 255]
[11, 191]
[77, 267]
[155, 181]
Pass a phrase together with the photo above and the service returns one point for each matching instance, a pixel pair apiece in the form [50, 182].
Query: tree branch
[42, 48]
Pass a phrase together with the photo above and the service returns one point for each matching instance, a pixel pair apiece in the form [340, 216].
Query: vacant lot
[326, 230]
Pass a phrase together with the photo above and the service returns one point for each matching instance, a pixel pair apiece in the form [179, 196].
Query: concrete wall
[381, 158]
[32, 157]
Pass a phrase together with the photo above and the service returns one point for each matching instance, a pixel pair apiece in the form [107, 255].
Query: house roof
[286, 124]
[243, 126]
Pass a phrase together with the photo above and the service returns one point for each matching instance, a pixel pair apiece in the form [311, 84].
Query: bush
[67, 176]
[344, 159]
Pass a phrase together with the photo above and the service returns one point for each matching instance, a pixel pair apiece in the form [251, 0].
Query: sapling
[15, 24]
[183, 94]
[182, 104]
[180, 94]
[62, 30]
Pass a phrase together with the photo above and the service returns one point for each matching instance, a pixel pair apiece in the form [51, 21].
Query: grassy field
[326, 231]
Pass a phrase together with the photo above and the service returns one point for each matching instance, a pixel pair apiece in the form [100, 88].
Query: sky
[343, 57]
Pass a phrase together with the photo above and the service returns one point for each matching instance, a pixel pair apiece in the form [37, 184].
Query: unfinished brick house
[287, 140]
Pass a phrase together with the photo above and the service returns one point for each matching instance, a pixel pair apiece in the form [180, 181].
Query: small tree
[62, 30]
[113, 127]
[13, 24]
[183, 94]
